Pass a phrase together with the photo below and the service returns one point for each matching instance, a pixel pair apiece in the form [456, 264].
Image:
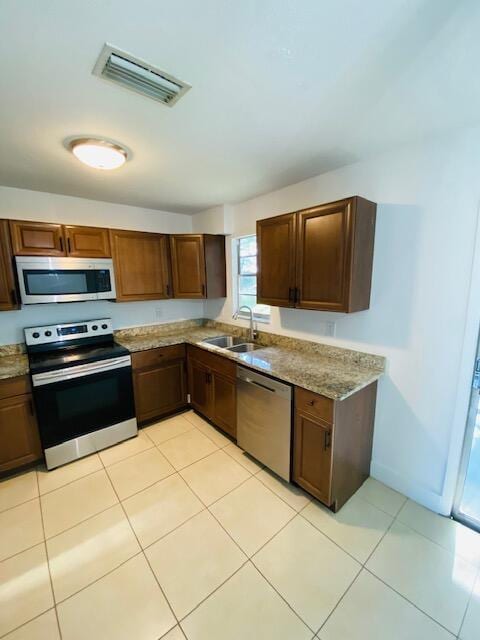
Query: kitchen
[204, 404]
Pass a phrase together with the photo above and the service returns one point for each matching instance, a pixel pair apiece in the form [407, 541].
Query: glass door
[467, 501]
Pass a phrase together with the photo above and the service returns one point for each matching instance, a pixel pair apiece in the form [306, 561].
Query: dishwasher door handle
[258, 384]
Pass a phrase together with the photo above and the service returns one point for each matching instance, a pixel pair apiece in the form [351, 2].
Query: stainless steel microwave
[43, 279]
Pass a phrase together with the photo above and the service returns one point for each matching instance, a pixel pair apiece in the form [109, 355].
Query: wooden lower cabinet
[313, 456]
[19, 437]
[332, 445]
[212, 388]
[224, 409]
[159, 382]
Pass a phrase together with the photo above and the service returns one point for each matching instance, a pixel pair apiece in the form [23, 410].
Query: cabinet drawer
[212, 361]
[154, 357]
[14, 387]
[313, 403]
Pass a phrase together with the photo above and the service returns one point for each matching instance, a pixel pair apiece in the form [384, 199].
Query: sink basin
[244, 347]
[224, 341]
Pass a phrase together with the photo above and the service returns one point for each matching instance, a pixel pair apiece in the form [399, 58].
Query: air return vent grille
[140, 76]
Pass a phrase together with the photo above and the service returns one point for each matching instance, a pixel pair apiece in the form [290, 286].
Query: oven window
[72, 408]
[71, 402]
[44, 282]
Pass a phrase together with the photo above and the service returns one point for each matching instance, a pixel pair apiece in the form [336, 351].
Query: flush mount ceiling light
[98, 153]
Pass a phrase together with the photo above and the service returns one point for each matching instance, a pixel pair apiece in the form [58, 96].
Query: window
[247, 278]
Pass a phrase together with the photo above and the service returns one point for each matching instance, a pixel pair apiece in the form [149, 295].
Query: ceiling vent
[139, 76]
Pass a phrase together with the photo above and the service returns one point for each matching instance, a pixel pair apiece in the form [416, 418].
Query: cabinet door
[312, 456]
[324, 257]
[19, 439]
[87, 242]
[200, 387]
[8, 293]
[276, 260]
[224, 412]
[188, 266]
[141, 265]
[160, 390]
[37, 238]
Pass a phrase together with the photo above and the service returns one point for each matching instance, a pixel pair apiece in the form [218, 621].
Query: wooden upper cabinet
[46, 239]
[318, 258]
[8, 294]
[37, 238]
[141, 264]
[276, 242]
[335, 255]
[87, 242]
[198, 266]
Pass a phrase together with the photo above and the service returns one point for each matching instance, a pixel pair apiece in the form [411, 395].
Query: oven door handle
[70, 373]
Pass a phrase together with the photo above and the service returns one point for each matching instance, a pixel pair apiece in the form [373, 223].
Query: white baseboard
[412, 490]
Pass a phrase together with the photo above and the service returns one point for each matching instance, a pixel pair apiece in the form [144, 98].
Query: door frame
[474, 407]
[464, 381]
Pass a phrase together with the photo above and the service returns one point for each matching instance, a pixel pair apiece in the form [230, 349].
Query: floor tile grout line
[470, 598]
[24, 624]
[145, 556]
[475, 565]
[340, 600]
[278, 496]
[389, 586]
[90, 473]
[190, 463]
[104, 575]
[277, 591]
[48, 565]
[183, 618]
[18, 505]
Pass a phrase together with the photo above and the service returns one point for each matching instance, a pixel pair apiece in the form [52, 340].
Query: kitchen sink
[224, 342]
[244, 347]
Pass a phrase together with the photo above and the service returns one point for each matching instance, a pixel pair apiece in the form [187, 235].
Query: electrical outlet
[330, 328]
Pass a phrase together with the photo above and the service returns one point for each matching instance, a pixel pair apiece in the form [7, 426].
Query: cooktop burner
[59, 346]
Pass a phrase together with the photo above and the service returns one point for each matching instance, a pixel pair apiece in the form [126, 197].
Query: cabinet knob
[311, 403]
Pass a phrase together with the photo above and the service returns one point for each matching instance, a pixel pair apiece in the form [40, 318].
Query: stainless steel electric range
[82, 388]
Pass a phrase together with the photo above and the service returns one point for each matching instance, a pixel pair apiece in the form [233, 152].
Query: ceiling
[282, 90]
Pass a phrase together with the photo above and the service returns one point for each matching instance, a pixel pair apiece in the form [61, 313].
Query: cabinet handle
[311, 403]
[61, 243]
[167, 290]
[13, 296]
[290, 295]
[31, 407]
[208, 376]
[203, 290]
[327, 440]
[297, 295]
[69, 249]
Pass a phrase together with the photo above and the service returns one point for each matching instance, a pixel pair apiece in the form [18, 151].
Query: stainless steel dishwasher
[264, 420]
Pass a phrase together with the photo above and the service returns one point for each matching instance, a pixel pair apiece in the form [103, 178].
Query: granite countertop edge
[365, 376]
[289, 365]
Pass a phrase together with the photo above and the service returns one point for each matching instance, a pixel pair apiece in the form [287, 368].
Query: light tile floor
[178, 534]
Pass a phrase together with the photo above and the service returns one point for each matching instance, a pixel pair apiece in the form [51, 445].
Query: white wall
[35, 205]
[428, 198]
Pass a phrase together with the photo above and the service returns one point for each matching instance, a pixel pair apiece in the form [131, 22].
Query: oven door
[43, 279]
[76, 401]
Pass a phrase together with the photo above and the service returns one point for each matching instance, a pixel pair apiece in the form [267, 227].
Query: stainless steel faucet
[252, 331]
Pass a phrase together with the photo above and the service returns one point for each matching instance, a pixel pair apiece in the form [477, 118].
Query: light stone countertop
[330, 371]
[12, 366]
[328, 376]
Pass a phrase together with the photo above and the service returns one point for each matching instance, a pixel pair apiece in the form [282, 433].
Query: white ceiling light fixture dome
[98, 153]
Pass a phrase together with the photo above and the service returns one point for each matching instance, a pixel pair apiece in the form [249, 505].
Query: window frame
[258, 317]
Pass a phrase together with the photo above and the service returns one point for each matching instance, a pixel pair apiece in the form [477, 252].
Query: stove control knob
[48, 333]
[35, 334]
[104, 326]
[94, 327]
